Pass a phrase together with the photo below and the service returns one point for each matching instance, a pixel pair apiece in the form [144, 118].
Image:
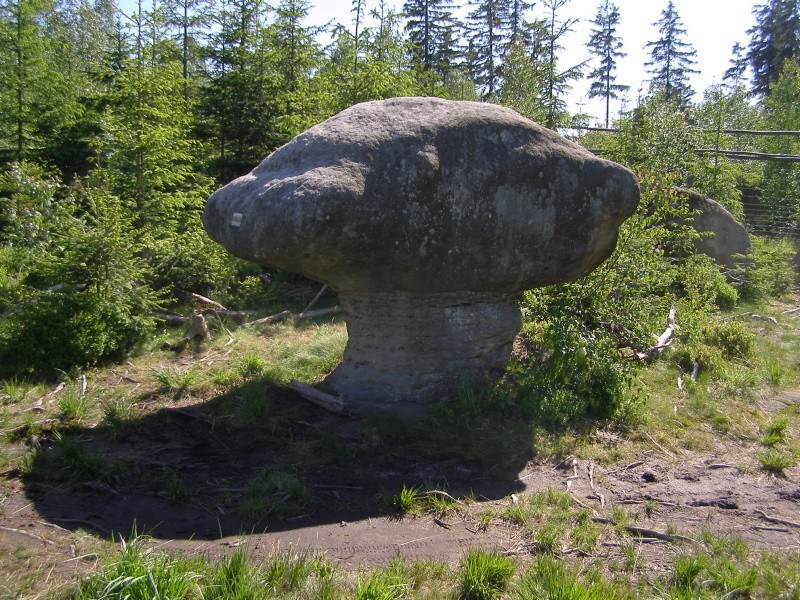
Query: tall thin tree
[671, 59]
[606, 45]
[773, 39]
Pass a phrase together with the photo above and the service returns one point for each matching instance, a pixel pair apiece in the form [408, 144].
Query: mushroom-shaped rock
[426, 216]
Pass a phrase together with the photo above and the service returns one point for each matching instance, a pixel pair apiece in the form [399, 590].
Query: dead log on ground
[312, 394]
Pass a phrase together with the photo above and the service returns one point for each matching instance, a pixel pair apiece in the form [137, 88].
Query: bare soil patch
[351, 478]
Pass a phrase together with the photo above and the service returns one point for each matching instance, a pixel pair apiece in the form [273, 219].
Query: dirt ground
[661, 491]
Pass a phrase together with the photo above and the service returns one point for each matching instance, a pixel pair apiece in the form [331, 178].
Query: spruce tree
[188, 18]
[295, 57]
[487, 38]
[557, 82]
[606, 45]
[671, 59]
[31, 80]
[735, 73]
[430, 28]
[773, 39]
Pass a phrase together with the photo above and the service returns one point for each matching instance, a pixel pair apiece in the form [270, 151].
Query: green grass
[175, 380]
[72, 406]
[485, 575]
[415, 501]
[724, 569]
[550, 579]
[275, 493]
[119, 415]
[775, 432]
[776, 461]
[381, 584]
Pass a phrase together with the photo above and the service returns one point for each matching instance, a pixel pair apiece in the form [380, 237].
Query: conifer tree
[557, 82]
[431, 33]
[487, 39]
[606, 45]
[28, 95]
[671, 59]
[295, 57]
[773, 39]
[188, 18]
[735, 73]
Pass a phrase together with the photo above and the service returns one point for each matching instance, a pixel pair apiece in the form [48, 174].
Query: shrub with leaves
[81, 299]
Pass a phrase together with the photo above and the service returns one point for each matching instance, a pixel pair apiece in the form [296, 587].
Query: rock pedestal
[426, 216]
[410, 349]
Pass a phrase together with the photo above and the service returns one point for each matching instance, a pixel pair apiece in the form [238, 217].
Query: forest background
[115, 127]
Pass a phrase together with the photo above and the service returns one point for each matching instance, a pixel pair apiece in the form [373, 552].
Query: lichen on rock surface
[426, 216]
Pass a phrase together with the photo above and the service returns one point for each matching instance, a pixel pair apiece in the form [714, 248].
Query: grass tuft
[485, 575]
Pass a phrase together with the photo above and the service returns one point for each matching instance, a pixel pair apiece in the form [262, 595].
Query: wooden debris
[320, 312]
[664, 340]
[26, 534]
[314, 301]
[445, 495]
[60, 386]
[441, 523]
[772, 320]
[199, 329]
[198, 299]
[777, 520]
[657, 445]
[125, 377]
[645, 534]
[326, 401]
[281, 316]
[83, 383]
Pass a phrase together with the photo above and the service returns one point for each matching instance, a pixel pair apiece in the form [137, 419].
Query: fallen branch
[645, 533]
[26, 534]
[777, 520]
[445, 495]
[308, 314]
[314, 301]
[125, 377]
[657, 445]
[763, 528]
[326, 401]
[664, 340]
[281, 316]
[772, 320]
[197, 298]
[321, 312]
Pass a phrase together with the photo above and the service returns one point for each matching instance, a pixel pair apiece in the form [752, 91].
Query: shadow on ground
[259, 458]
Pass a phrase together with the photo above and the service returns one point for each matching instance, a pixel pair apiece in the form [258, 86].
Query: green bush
[82, 299]
[731, 337]
[768, 271]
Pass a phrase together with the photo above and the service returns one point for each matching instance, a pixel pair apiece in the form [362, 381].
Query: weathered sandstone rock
[722, 236]
[426, 216]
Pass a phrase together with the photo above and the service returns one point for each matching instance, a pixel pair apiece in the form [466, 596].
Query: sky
[712, 27]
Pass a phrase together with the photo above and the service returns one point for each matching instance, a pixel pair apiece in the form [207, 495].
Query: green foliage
[732, 338]
[82, 300]
[775, 432]
[142, 575]
[551, 579]
[485, 575]
[768, 272]
[69, 461]
[381, 585]
[275, 492]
